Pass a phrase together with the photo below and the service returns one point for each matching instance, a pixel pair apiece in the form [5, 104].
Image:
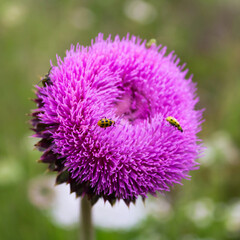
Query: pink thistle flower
[138, 88]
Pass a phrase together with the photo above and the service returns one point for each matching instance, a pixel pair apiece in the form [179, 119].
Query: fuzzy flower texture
[138, 87]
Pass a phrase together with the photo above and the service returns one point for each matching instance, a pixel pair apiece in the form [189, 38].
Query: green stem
[86, 229]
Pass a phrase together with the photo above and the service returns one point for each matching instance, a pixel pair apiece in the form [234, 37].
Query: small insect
[173, 121]
[105, 122]
[151, 42]
[46, 79]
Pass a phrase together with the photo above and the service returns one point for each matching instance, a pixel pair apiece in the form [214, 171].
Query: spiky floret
[136, 86]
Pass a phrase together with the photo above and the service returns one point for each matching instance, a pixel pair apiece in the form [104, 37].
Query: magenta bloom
[138, 88]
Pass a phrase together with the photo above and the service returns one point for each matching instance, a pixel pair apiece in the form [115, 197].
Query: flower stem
[86, 229]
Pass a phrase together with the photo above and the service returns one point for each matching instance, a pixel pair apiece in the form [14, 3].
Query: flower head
[135, 86]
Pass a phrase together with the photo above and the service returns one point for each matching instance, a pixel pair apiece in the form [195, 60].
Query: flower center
[133, 105]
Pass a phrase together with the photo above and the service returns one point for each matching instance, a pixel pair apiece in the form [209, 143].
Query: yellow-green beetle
[105, 122]
[151, 42]
[173, 121]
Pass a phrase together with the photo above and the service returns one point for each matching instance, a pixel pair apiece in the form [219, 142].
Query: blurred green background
[204, 33]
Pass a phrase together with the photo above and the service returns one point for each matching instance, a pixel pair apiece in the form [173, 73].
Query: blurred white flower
[82, 18]
[140, 11]
[65, 210]
[118, 216]
[64, 207]
[201, 212]
[13, 14]
[41, 193]
[233, 218]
